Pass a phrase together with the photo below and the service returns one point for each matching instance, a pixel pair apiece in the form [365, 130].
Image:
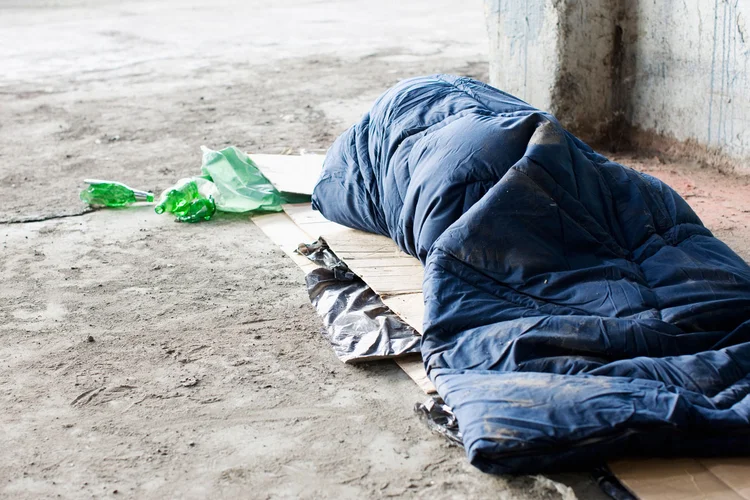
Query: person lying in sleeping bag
[575, 309]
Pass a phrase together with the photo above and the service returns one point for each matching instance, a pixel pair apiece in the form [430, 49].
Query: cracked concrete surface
[147, 359]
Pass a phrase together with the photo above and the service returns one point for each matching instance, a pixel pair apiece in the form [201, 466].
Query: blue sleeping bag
[576, 309]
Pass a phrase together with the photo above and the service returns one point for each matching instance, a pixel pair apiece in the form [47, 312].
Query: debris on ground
[230, 182]
[440, 418]
[112, 194]
[357, 323]
[190, 200]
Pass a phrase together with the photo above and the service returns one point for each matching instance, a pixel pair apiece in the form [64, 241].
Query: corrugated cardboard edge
[685, 478]
[373, 257]
[296, 174]
[409, 307]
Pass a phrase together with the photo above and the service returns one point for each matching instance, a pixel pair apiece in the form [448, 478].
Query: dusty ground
[146, 359]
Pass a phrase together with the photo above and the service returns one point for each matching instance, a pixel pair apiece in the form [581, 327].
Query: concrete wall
[540, 52]
[523, 38]
[692, 78]
[675, 70]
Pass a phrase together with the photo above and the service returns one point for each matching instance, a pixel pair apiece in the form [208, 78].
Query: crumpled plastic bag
[359, 326]
[230, 182]
[242, 186]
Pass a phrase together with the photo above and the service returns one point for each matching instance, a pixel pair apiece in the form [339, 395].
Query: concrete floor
[207, 376]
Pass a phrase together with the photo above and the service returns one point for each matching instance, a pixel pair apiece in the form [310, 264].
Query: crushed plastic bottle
[192, 199]
[112, 194]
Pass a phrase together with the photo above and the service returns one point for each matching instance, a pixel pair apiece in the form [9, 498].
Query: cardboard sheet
[685, 478]
[414, 368]
[312, 221]
[291, 173]
[409, 307]
[373, 257]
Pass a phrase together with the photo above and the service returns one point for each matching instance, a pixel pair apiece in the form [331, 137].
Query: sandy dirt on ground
[141, 358]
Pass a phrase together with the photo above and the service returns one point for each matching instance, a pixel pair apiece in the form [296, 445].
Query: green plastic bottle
[112, 194]
[191, 200]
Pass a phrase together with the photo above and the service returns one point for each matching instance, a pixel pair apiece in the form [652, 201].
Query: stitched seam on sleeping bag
[406, 134]
[645, 281]
[656, 189]
[515, 167]
[465, 187]
[519, 112]
[465, 92]
[668, 237]
[340, 178]
[419, 133]
[450, 181]
[424, 131]
[611, 245]
[591, 356]
[741, 376]
[602, 434]
[545, 448]
[373, 197]
[738, 397]
[536, 302]
[512, 300]
[626, 254]
[458, 85]
[659, 202]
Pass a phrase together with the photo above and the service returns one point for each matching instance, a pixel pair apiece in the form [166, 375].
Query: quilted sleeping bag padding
[575, 309]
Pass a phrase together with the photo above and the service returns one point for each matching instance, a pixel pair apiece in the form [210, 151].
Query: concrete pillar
[558, 56]
[670, 74]
[692, 74]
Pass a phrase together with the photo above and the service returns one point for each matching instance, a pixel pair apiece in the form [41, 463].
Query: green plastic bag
[231, 182]
[242, 186]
